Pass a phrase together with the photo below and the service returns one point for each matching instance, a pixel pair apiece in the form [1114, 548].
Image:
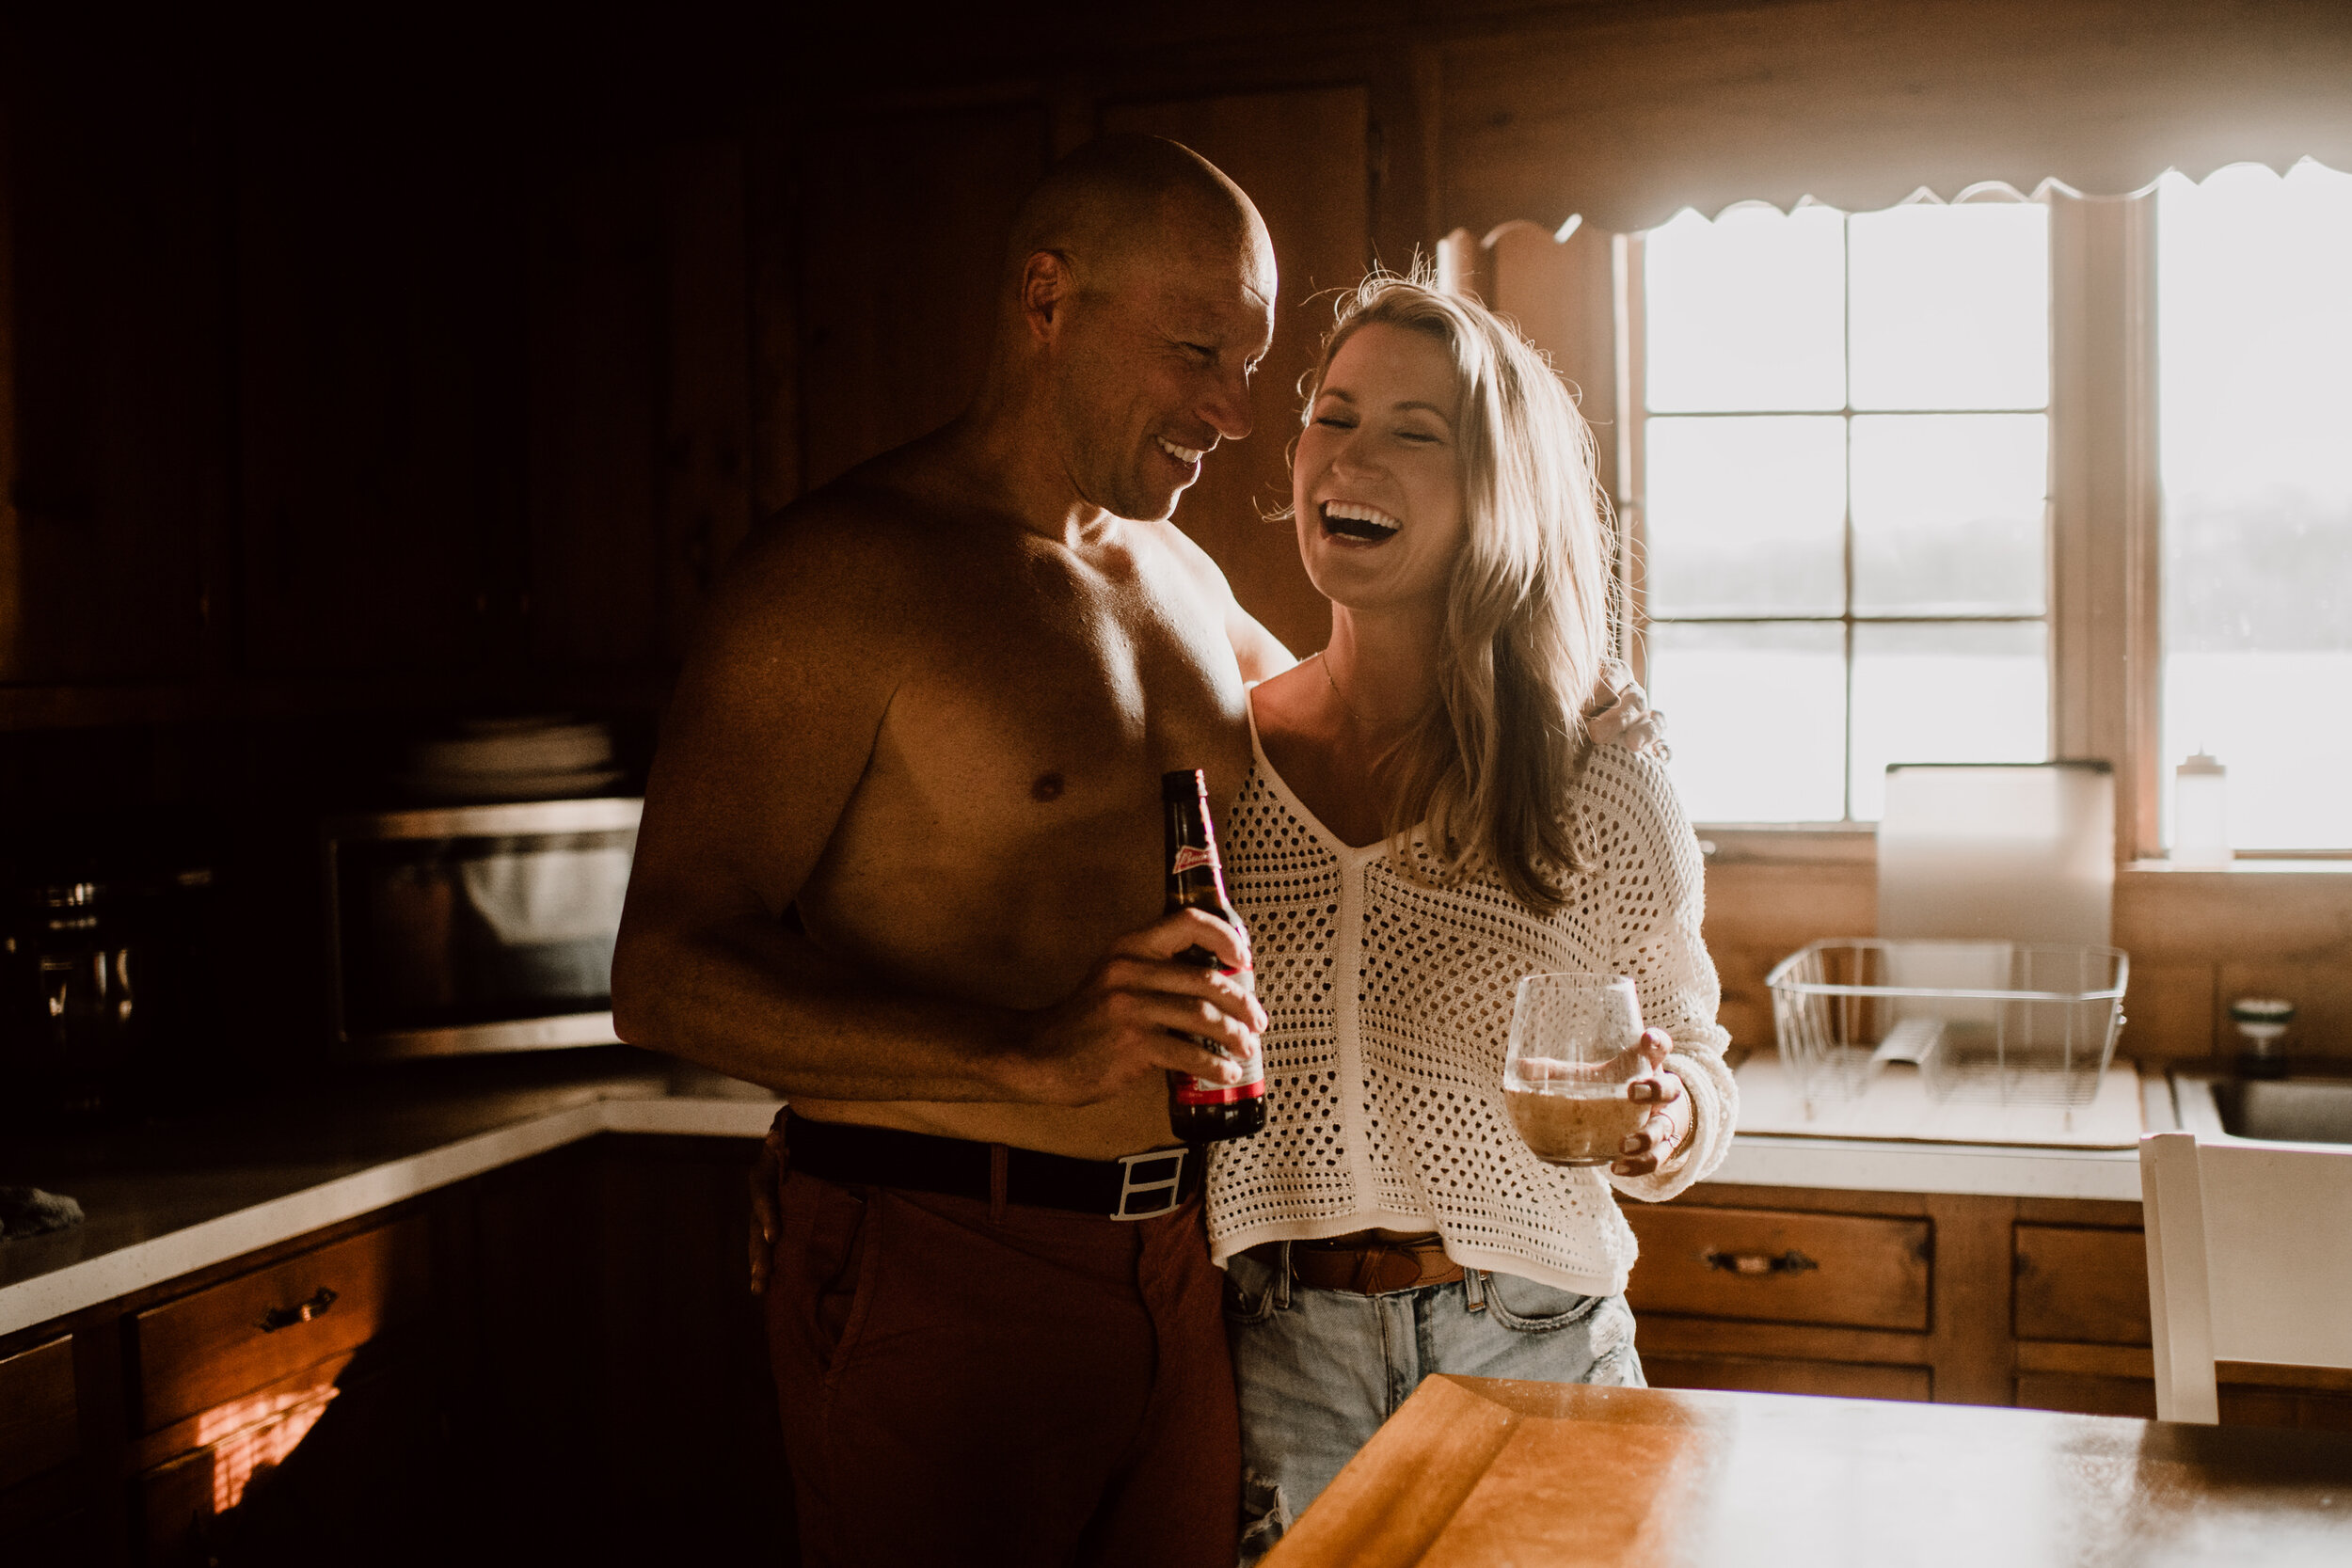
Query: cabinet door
[39, 1417]
[209, 1348]
[1304, 158]
[1770, 1265]
[1758, 1374]
[2081, 1283]
[354, 1474]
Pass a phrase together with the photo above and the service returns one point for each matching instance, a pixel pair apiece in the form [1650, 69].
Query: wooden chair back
[2249, 1259]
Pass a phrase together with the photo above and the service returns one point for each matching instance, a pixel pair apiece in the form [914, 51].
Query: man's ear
[1046, 291]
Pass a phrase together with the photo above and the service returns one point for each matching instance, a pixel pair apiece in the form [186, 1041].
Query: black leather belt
[1133, 1187]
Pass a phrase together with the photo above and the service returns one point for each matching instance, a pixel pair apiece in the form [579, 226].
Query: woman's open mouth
[1355, 520]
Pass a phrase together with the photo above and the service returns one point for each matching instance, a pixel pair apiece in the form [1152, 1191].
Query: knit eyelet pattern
[1389, 1004]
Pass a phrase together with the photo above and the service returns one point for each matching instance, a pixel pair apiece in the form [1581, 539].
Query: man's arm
[774, 719]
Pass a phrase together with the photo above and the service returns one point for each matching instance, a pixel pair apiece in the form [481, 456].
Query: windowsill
[1857, 845]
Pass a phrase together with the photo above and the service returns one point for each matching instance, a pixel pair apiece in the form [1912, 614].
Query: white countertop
[147, 1207]
[149, 1227]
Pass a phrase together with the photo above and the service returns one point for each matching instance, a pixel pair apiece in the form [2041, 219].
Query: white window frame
[2104, 605]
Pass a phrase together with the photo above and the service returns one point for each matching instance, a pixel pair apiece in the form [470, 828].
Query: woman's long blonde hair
[1491, 766]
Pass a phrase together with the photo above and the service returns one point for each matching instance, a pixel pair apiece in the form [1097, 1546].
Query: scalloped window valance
[1640, 111]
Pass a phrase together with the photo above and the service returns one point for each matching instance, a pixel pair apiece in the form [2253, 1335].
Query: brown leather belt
[1367, 1265]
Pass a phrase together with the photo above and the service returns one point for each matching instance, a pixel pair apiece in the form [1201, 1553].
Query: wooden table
[1496, 1474]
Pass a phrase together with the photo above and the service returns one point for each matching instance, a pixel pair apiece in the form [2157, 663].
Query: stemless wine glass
[1568, 1074]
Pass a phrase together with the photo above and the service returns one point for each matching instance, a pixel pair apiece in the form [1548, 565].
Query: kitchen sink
[2287, 1110]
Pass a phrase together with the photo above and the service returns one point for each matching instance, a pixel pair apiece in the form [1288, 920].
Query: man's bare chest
[1051, 704]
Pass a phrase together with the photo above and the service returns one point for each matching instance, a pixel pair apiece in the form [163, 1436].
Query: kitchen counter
[199, 1189]
[212, 1185]
[1479, 1470]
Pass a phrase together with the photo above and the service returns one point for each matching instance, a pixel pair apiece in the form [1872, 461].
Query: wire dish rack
[2009, 1022]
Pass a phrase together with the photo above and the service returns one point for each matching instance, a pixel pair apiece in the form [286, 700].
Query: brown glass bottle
[1198, 1111]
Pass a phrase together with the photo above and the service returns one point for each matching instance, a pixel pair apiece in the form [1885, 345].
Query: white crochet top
[1389, 1004]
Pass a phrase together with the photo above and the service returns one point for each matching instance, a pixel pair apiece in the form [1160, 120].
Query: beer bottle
[1199, 1111]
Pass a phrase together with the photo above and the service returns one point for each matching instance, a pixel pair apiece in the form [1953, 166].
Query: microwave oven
[476, 928]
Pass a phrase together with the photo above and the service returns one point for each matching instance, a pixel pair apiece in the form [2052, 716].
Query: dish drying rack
[2013, 1024]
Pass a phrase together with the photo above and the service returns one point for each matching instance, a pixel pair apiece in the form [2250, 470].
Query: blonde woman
[1431, 817]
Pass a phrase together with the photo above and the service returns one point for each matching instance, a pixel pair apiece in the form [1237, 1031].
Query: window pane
[1948, 514]
[1758, 719]
[2255, 333]
[2275, 717]
[1746, 515]
[1745, 312]
[1951, 306]
[1948, 693]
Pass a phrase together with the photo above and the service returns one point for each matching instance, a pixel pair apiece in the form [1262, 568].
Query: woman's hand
[1669, 1121]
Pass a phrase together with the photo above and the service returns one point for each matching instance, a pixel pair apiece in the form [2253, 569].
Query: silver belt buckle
[1154, 1176]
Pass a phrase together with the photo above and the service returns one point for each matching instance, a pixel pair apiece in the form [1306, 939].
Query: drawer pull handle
[1756, 1263]
[301, 1312]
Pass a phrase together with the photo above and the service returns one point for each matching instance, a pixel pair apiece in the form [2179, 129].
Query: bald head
[1138, 296]
[1122, 201]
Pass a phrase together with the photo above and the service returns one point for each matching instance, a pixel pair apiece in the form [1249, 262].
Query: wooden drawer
[1764, 1374]
[40, 1421]
[219, 1343]
[2081, 1284]
[1770, 1265]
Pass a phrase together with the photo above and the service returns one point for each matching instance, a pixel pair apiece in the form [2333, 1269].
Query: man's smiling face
[1155, 362]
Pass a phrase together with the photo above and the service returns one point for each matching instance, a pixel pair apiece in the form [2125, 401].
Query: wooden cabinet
[2081, 1283]
[2034, 1302]
[245, 1333]
[1778, 1266]
[554, 1362]
[40, 1418]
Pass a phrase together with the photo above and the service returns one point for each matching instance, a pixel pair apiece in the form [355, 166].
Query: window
[1846, 459]
[1838, 470]
[2254, 310]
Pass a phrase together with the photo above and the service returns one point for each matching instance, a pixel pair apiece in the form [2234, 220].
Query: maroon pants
[967, 1383]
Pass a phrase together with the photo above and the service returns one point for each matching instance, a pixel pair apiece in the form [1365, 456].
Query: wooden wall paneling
[1304, 158]
[901, 232]
[378, 286]
[1758, 913]
[117, 414]
[2199, 939]
[1628, 112]
[771, 241]
[600, 362]
[1561, 291]
[707, 502]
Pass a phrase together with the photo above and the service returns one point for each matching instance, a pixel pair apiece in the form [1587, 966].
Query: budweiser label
[1190, 857]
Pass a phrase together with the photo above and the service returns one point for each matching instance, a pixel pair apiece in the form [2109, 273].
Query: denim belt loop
[1283, 1278]
[1475, 1288]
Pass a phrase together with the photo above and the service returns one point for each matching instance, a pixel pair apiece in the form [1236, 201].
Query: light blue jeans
[1319, 1370]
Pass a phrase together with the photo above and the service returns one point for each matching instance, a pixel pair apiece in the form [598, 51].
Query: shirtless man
[900, 861]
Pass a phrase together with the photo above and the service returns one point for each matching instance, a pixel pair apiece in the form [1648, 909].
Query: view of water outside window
[2254, 340]
[1845, 473]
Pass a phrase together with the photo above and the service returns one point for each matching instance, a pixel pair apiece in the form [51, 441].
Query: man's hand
[767, 1175]
[1140, 1012]
[1669, 1120]
[1144, 1011]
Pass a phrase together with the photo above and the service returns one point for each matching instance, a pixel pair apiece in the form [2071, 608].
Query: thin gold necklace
[1334, 685]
